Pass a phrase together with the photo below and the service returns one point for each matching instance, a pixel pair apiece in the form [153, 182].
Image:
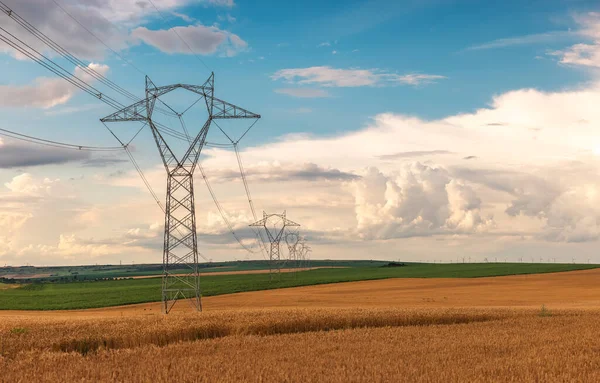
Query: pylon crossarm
[198, 89]
[259, 223]
[135, 112]
[224, 110]
[287, 222]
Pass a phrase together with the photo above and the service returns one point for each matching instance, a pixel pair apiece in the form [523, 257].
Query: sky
[423, 130]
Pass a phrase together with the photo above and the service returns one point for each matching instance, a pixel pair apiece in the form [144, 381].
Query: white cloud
[584, 54]
[183, 17]
[325, 44]
[531, 158]
[538, 38]
[201, 39]
[303, 92]
[46, 92]
[46, 16]
[333, 77]
[419, 200]
[580, 54]
[26, 184]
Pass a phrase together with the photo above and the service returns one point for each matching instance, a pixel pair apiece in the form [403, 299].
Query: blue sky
[321, 73]
[431, 37]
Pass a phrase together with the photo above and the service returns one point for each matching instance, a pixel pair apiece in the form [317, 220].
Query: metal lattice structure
[274, 225]
[303, 253]
[291, 240]
[180, 251]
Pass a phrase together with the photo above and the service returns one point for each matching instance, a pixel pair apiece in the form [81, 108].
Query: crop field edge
[285, 283]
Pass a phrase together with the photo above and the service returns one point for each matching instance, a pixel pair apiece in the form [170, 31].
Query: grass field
[521, 328]
[92, 272]
[81, 295]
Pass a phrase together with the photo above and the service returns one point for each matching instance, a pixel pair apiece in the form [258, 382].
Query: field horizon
[105, 293]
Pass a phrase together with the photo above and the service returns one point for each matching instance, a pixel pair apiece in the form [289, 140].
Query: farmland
[105, 293]
[538, 327]
[95, 272]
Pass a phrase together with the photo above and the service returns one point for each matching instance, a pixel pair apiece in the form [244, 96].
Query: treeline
[59, 279]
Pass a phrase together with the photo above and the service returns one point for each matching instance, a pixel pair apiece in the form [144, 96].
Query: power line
[86, 87]
[213, 195]
[49, 64]
[220, 209]
[99, 39]
[149, 187]
[56, 144]
[180, 38]
[144, 179]
[41, 59]
[65, 53]
[250, 201]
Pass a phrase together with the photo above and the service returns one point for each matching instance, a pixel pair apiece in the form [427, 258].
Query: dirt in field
[576, 289]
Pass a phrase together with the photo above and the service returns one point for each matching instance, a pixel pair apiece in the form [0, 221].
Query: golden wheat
[432, 341]
[44, 334]
[293, 345]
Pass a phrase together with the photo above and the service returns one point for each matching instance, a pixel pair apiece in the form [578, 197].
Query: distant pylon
[278, 222]
[291, 240]
[181, 277]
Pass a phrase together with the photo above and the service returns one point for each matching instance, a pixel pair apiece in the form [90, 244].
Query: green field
[93, 272]
[91, 294]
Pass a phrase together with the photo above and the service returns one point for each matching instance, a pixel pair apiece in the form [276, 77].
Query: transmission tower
[274, 225]
[291, 240]
[180, 251]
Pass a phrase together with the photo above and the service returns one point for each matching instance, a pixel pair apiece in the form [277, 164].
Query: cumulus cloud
[564, 198]
[417, 201]
[527, 144]
[334, 77]
[26, 184]
[46, 92]
[201, 39]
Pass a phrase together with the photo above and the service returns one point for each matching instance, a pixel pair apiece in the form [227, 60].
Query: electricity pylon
[180, 249]
[278, 222]
[291, 240]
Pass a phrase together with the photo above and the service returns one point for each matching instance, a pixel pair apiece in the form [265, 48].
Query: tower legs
[181, 276]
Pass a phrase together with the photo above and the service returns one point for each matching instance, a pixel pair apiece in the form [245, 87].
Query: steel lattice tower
[274, 236]
[180, 249]
[291, 240]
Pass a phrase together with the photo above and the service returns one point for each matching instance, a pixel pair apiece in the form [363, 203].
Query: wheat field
[329, 339]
